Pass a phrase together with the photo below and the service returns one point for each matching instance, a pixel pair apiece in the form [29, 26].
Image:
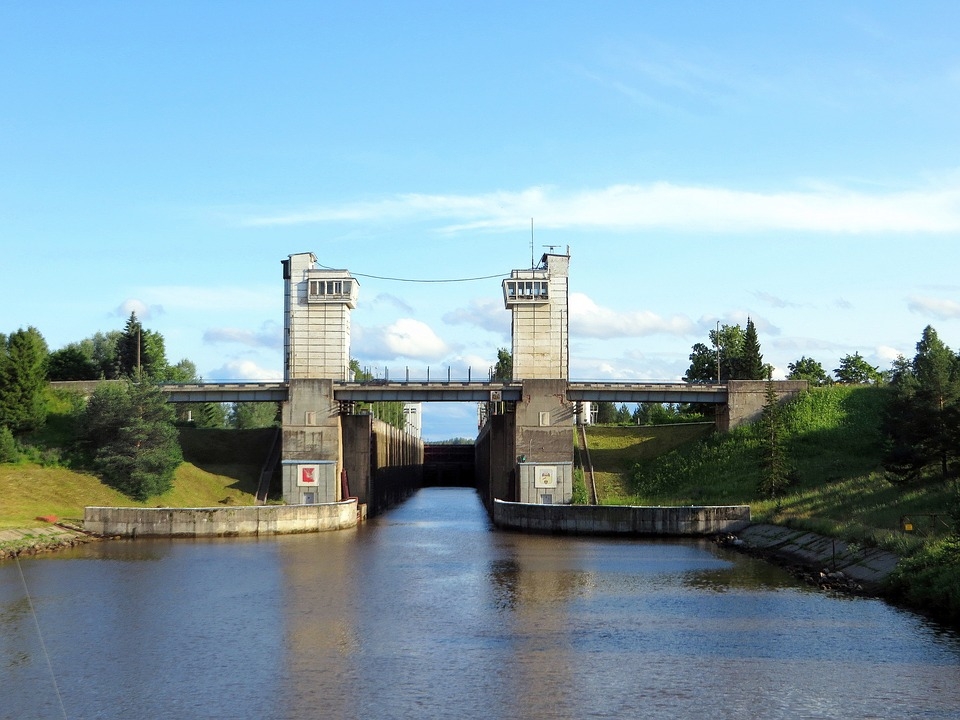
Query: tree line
[126, 431]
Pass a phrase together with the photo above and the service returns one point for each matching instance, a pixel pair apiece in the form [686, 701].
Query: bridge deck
[389, 391]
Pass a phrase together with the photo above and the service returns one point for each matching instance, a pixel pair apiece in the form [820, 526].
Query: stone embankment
[30, 541]
[830, 563]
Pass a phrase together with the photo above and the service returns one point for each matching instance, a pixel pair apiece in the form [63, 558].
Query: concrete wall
[220, 522]
[495, 460]
[746, 398]
[544, 436]
[384, 464]
[311, 432]
[621, 519]
[396, 466]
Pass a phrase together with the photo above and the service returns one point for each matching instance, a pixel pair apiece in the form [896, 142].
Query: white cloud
[243, 370]
[937, 307]
[888, 354]
[142, 309]
[933, 208]
[404, 338]
[587, 319]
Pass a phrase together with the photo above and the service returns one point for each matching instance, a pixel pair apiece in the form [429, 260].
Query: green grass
[222, 467]
[832, 439]
[615, 449]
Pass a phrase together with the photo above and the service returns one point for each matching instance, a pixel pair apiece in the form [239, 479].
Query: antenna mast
[531, 244]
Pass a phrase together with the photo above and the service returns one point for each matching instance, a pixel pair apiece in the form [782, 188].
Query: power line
[415, 280]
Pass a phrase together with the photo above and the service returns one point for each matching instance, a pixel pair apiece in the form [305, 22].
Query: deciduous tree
[854, 370]
[503, 370]
[703, 359]
[810, 370]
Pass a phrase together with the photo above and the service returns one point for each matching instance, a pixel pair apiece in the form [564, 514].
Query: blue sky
[797, 163]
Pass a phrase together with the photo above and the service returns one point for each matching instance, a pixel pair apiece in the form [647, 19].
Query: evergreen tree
[623, 415]
[606, 413]
[9, 452]
[922, 422]
[140, 351]
[210, 415]
[23, 378]
[774, 472]
[245, 415]
[749, 366]
[128, 431]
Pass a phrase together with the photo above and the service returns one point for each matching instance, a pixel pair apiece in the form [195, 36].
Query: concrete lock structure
[316, 345]
[538, 300]
[317, 305]
[524, 450]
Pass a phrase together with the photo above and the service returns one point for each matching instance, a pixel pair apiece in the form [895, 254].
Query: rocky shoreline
[828, 563]
[42, 539]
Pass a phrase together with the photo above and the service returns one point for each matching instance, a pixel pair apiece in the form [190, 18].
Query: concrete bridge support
[544, 443]
[746, 398]
[312, 442]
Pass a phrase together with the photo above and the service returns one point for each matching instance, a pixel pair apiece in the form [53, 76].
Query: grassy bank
[222, 467]
[837, 487]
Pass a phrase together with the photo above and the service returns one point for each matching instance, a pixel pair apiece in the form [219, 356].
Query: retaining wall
[621, 519]
[220, 522]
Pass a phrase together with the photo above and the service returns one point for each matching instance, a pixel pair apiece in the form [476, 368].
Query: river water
[426, 612]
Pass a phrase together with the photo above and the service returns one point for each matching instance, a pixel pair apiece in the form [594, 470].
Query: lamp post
[717, 340]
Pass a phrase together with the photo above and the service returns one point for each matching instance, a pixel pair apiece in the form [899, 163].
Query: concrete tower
[543, 418]
[317, 305]
[538, 301]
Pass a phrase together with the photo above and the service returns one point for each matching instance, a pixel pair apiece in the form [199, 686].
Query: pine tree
[140, 351]
[128, 430]
[23, 378]
[750, 365]
[774, 471]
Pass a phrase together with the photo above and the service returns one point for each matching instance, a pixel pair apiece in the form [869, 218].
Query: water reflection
[427, 612]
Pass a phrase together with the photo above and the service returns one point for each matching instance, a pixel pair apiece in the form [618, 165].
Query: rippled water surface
[427, 612]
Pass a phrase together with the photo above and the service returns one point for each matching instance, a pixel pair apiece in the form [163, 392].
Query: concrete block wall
[621, 519]
[495, 459]
[219, 521]
[384, 464]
